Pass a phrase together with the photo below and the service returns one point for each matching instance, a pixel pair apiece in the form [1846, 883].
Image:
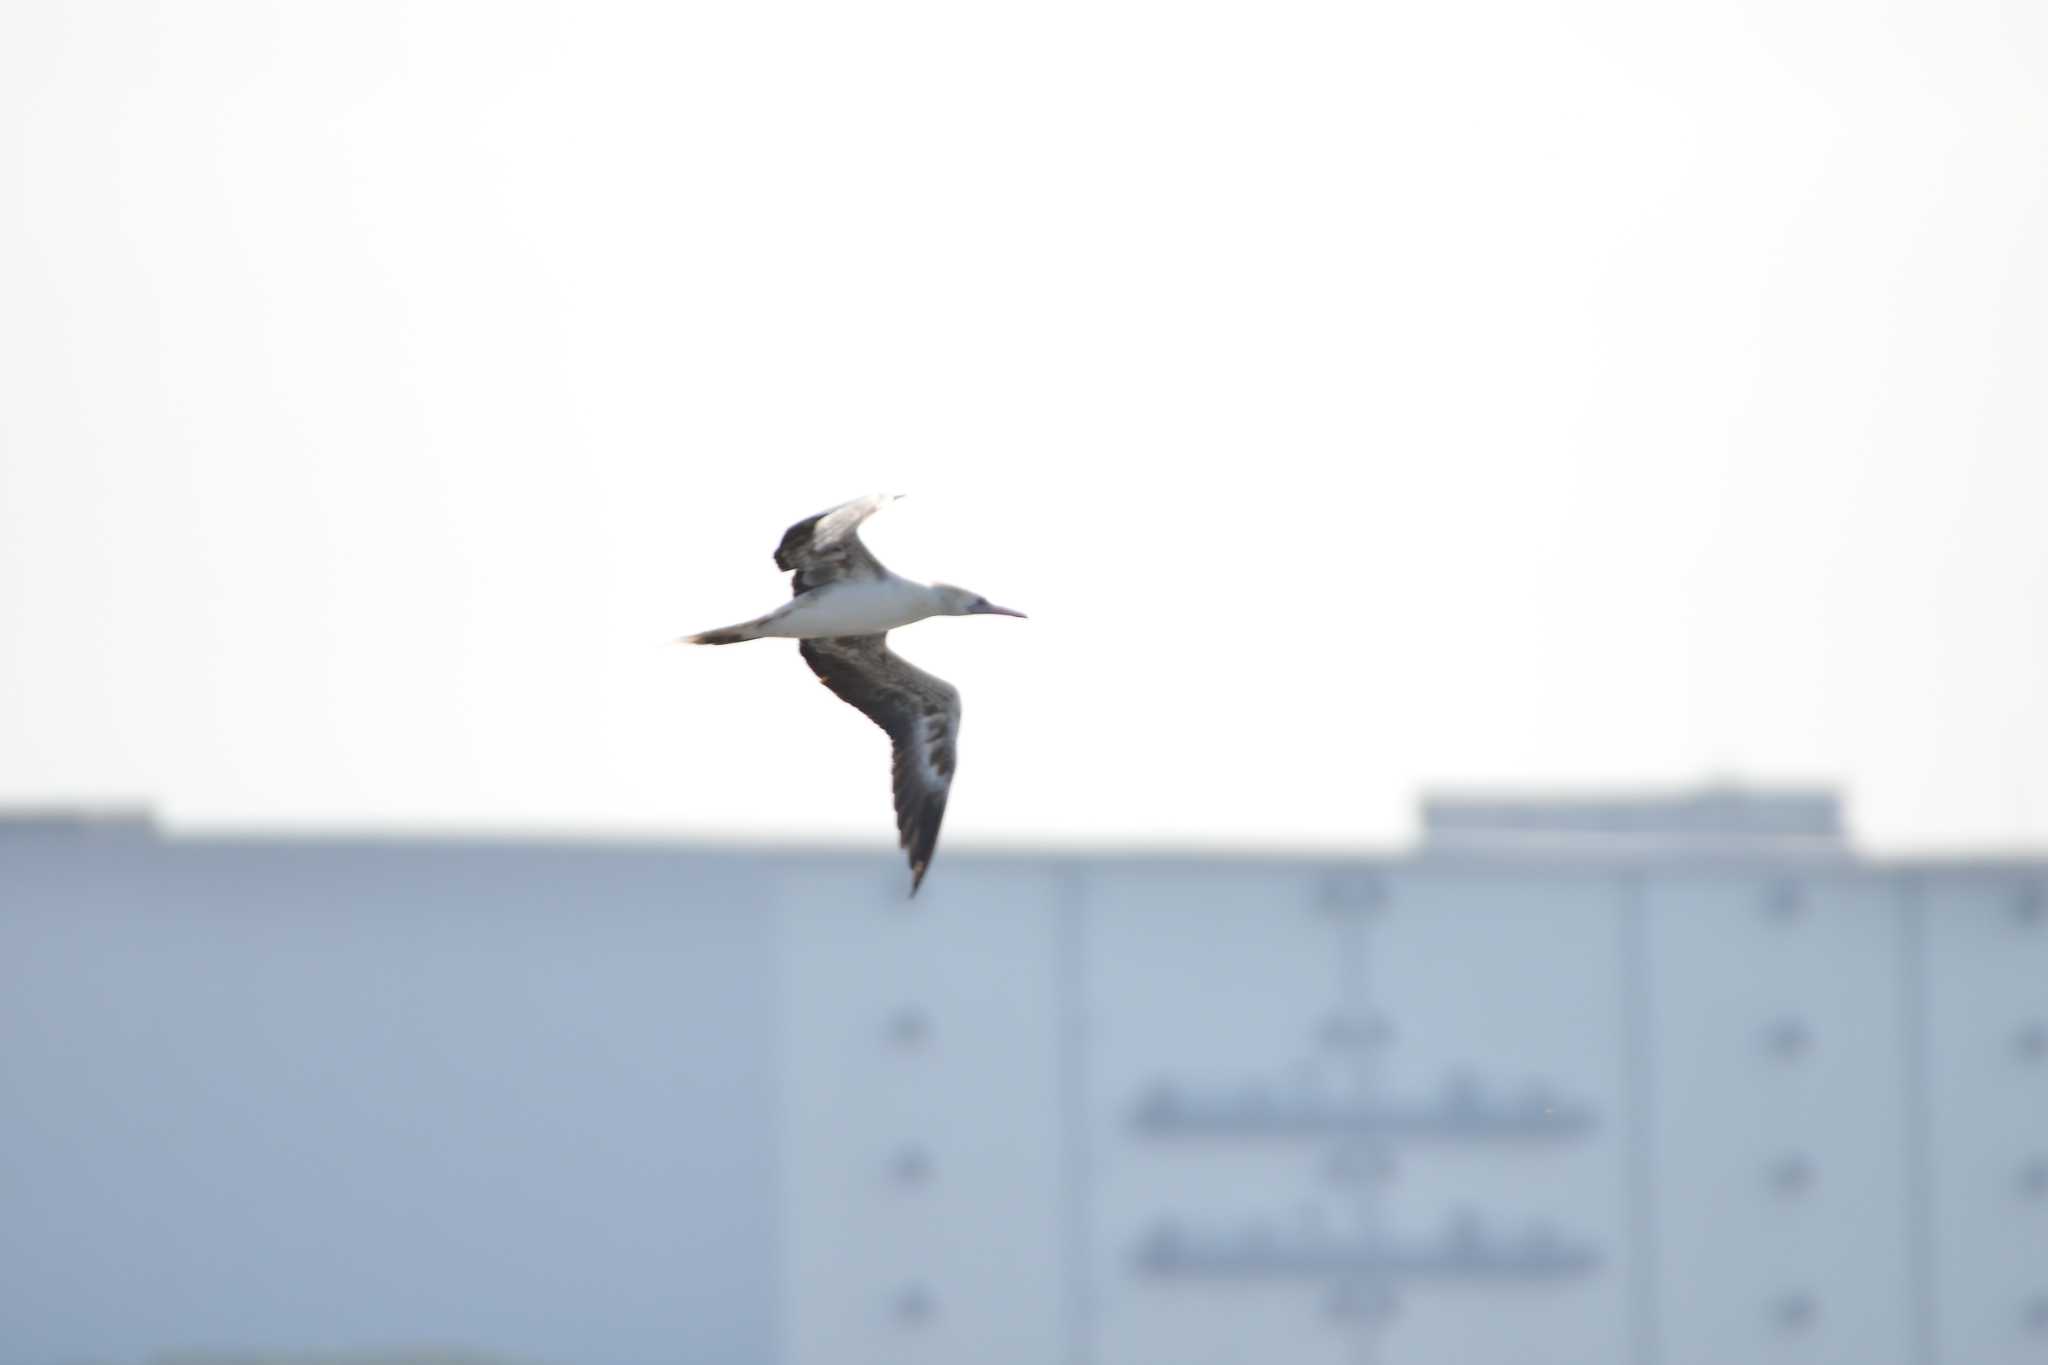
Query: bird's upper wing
[922, 717]
[826, 548]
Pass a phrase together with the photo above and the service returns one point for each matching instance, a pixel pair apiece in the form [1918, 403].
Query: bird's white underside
[853, 607]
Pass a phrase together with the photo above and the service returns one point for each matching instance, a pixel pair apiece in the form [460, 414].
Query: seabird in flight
[844, 605]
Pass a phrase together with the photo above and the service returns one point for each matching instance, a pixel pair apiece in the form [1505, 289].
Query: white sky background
[1360, 398]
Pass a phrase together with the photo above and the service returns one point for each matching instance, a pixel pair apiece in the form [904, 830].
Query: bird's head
[960, 602]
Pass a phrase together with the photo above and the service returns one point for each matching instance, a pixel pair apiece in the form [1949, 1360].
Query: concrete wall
[1807, 1100]
[1986, 1065]
[624, 1104]
[351, 1096]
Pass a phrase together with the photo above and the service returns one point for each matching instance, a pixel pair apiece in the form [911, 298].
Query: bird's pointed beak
[993, 610]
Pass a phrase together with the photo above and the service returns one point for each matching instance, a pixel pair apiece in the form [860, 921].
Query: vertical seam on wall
[1918, 1118]
[1072, 981]
[1644, 1270]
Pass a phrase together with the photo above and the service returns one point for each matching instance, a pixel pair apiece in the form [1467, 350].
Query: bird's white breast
[853, 607]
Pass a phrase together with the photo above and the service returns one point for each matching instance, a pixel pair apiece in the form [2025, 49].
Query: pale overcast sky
[1360, 397]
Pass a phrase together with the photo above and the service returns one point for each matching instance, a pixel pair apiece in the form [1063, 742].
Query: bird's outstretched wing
[922, 717]
[826, 548]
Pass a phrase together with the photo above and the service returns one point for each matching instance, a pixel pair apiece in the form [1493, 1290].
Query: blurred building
[1654, 1080]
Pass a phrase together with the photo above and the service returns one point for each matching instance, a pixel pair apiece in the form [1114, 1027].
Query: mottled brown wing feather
[921, 716]
[826, 548]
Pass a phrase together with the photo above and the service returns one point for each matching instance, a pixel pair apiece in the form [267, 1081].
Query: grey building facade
[1651, 1080]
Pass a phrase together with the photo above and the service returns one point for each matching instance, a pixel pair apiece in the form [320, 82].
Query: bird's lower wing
[921, 716]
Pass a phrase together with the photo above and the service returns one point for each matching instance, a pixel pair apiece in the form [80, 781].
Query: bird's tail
[727, 635]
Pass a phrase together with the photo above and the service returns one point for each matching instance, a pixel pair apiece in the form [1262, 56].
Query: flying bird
[844, 603]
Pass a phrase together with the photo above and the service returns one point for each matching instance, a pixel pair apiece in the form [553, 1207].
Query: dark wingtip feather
[921, 816]
[793, 542]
